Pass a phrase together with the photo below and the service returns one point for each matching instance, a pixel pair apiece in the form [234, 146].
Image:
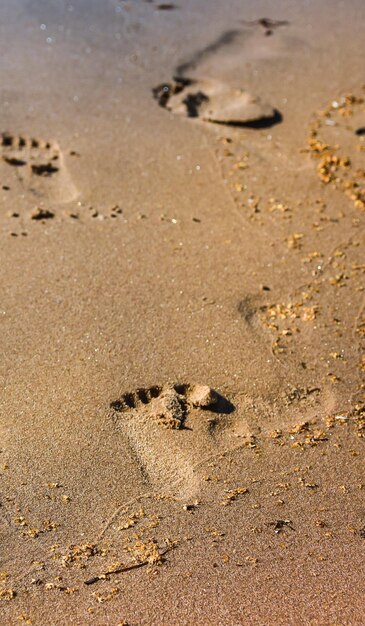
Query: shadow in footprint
[44, 169]
[259, 124]
[222, 405]
[14, 161]
[193, 102]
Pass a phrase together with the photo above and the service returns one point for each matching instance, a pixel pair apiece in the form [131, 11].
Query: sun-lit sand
[182, 313]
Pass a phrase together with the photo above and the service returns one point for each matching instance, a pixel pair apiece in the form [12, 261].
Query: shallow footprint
[36, 166]
[215, 101]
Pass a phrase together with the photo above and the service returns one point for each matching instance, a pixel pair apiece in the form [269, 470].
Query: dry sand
[145, 252]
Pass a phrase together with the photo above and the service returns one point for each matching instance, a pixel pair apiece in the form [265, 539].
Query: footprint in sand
[35, 167]
[173, 430]
[205, 84]
[214, 101]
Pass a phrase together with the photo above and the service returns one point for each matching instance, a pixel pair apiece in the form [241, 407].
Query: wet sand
[146, 250]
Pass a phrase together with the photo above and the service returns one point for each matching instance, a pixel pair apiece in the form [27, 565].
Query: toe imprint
[36, 166]
[169, 405]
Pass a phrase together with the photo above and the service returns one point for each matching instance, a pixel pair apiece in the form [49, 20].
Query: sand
[182, 313]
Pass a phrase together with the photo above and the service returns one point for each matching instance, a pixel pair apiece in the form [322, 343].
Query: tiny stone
[190, 506]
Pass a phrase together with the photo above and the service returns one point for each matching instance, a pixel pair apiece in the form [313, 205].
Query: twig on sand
[125, 568]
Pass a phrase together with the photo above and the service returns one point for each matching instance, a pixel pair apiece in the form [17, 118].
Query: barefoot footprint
[36, 166]
[214, 101]
[170, 433]
[203, 83]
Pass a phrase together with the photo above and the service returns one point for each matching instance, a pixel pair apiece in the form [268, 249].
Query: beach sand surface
[182, 205]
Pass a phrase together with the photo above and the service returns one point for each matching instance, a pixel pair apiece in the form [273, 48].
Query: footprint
[208, 84]
[172, 429]
[36, 166]
[205, 84]
[214, 101]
